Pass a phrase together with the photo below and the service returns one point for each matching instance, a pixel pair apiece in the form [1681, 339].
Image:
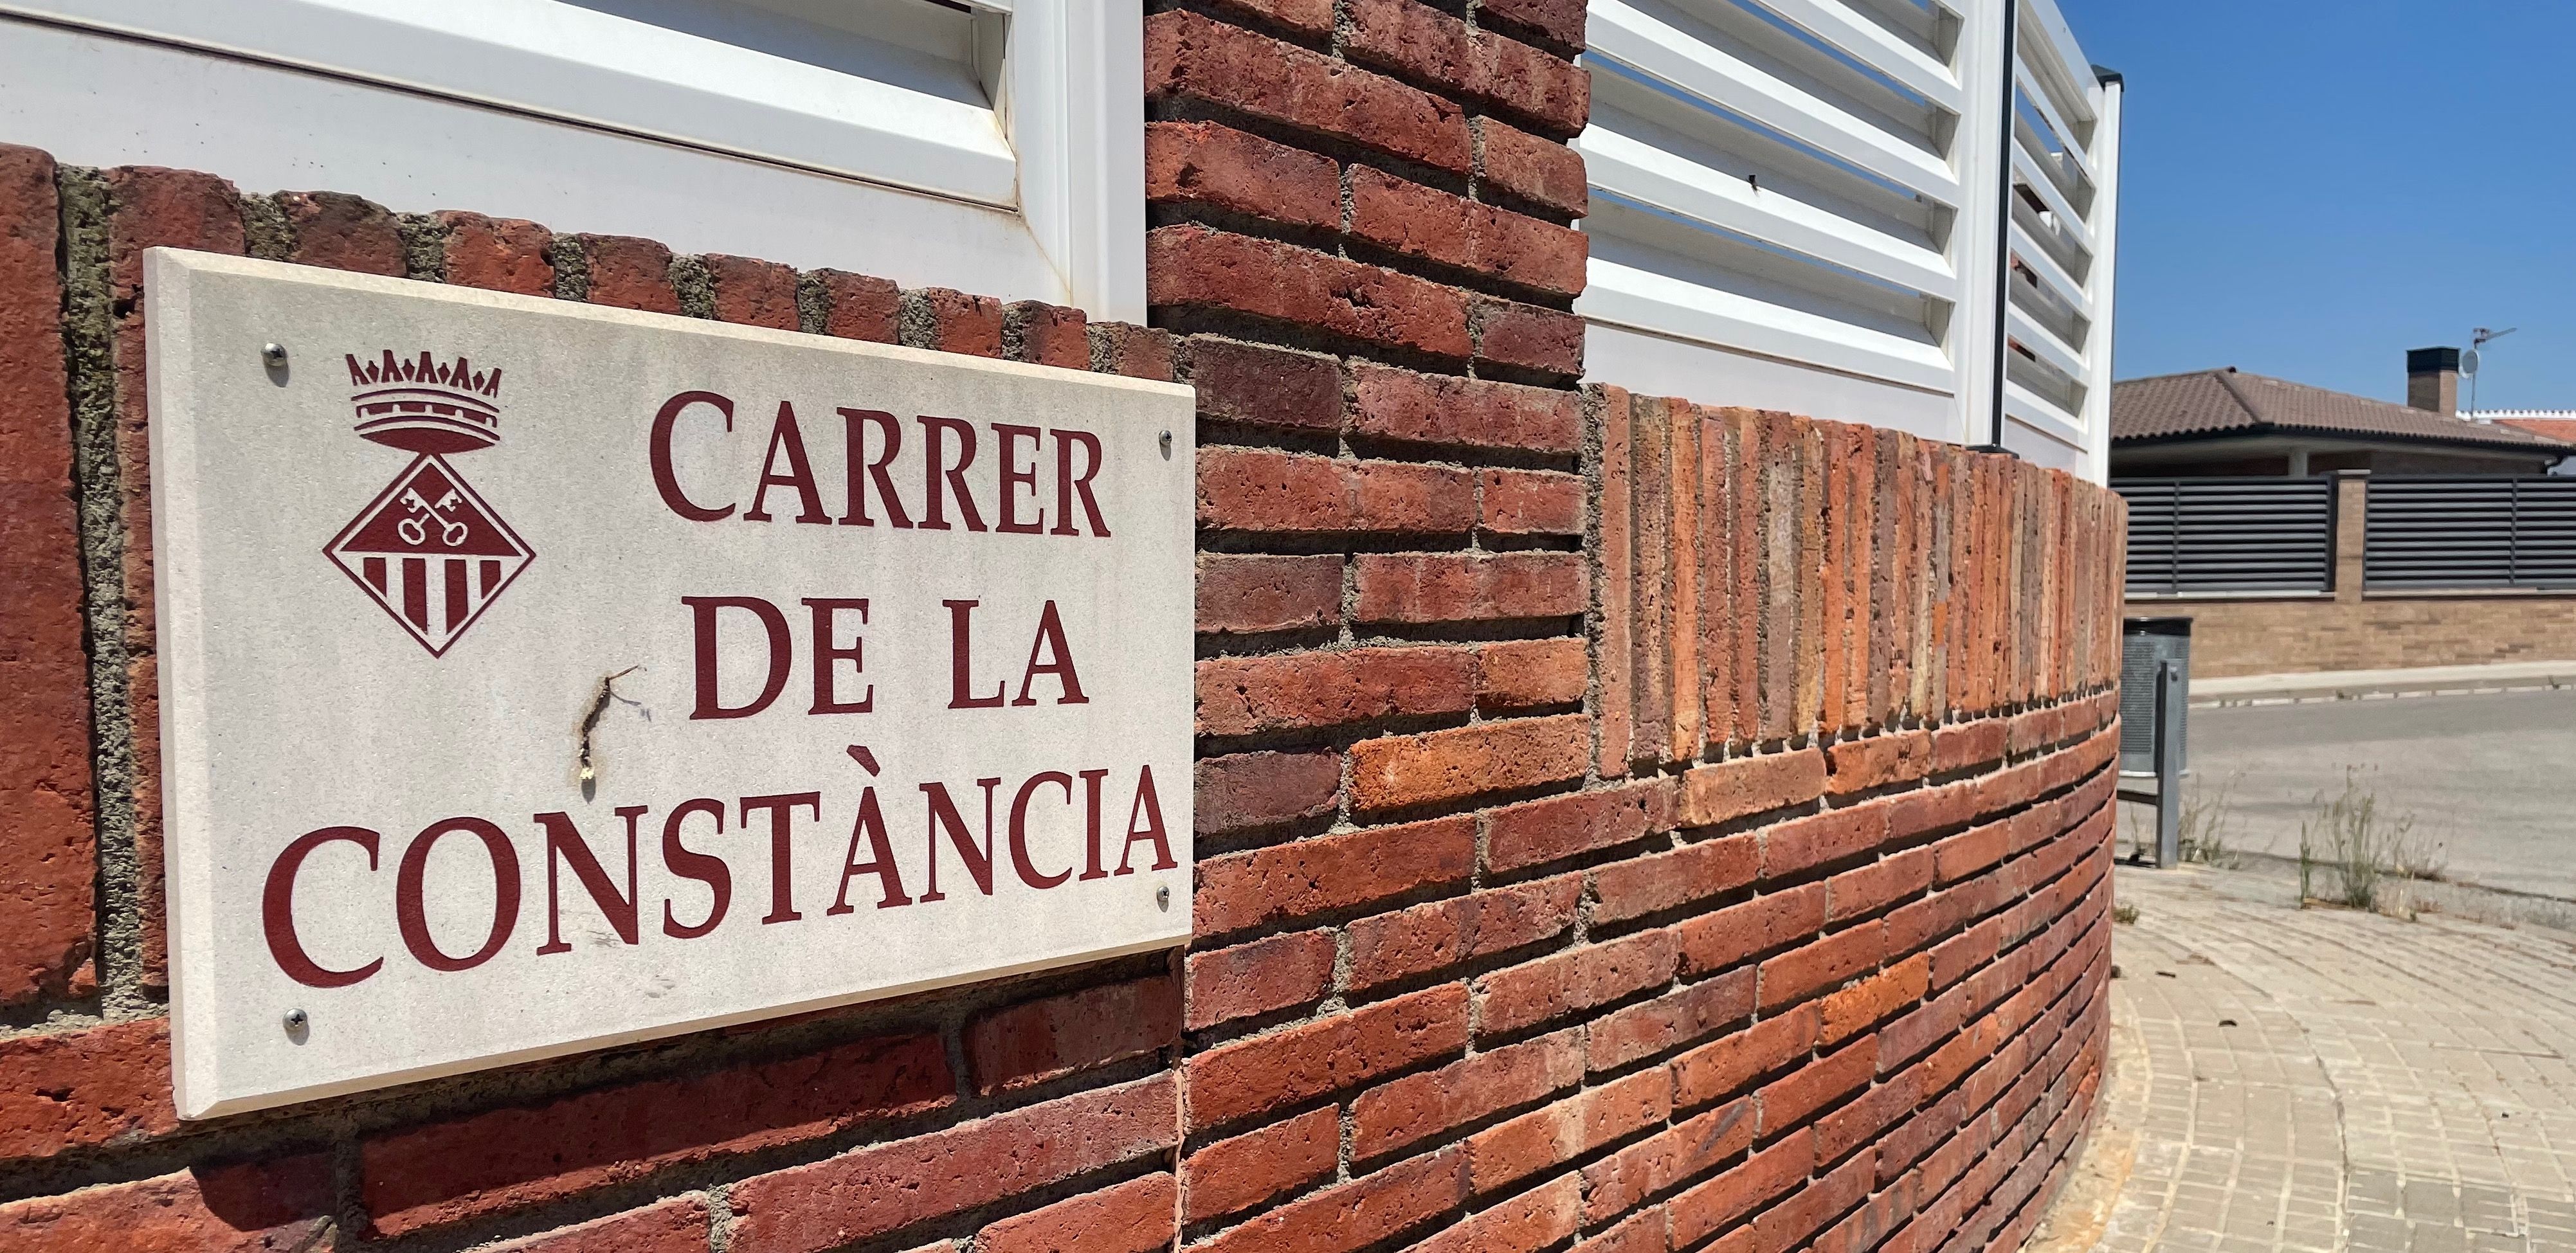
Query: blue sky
[2312, 188]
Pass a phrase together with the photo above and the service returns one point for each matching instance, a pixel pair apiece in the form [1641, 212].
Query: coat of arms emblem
[428, 549]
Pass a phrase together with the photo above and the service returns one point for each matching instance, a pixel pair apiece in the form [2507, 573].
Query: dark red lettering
[665, 479]
[277, 909]
[854, 437]
[782, 880]
[1020, 830]
[785, 436]
[871, 827]
[411, 912]
[1068, 485]
[564, 843]
[938, 480]
[782, 653]
[961, 661]
[1091, 867]
[828, 656]
[1151, 807]
[703, 867]
[944, 816]
[1050, 639]
[1014, 478]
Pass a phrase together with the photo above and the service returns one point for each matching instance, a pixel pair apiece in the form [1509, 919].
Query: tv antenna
[2469, 362]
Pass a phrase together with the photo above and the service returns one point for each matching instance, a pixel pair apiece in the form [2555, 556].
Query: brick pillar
[2352, 512]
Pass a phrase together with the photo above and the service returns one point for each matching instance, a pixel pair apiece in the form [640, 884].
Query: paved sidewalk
[2318, 685]
[2320, 1080]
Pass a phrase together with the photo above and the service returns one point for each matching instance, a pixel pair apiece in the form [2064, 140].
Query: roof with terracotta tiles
[2231, 402]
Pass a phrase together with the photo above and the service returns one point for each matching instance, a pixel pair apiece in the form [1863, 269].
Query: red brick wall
[1622, 825]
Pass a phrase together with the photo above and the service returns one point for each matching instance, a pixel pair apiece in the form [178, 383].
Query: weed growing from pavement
[2363, 846]
[2124, 914]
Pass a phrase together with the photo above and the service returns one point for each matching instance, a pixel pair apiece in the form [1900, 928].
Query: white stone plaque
[537, 676]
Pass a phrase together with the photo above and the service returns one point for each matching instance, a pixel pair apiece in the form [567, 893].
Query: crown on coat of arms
[423, 406]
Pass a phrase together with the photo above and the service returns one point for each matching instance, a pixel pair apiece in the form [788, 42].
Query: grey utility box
[2145, 642]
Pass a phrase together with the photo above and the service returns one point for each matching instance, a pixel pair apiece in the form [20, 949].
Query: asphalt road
[2491, 779]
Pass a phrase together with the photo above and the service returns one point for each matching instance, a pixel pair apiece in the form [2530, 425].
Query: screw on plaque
[273, 356]
[1167, 445]
[297, 1023]
[1163, 897]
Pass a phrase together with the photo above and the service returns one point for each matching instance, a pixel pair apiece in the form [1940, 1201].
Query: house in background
[2227, 422]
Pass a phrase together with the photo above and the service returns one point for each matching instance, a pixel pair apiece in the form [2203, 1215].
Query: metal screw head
[296, 1022]
[273, 356]
[1163, 898]
[1166, 443]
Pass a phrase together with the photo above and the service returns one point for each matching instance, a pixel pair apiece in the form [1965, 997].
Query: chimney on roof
[2433, 380]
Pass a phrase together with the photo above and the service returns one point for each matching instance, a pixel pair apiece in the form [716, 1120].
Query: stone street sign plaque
[537, 677]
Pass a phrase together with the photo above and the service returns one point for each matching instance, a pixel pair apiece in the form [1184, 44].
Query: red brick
[1248, 594]
[150, 207]
[749, 292]
[1263, 490]
[1257, 385]
[1789, 1224]
[496, 254]
[1865, 1004]
[1569, 982]
[1288, 1067]
[860, 306]
[1249, 791]
[1720, 1069]
[1611, 410]
[1788, 1100]
[1878, 761]
[1530, 502]
[1357, 1214]
[1558, 21]
[1534, 1220]
[1668, 1021]
[1539, 831]
[273, 1205]
[1731, 789]
[1134, 1217]
[1410, 1110]
[1719, 939]
[48, 848]
[629, 273]
[512, 1158]
[1330, 872]
[1826, 963]
[1568, 1129]
[1404, 771]
[342, 232]
[1646, 885]
[1306, 17]
[1959, 856]
[1434, 225]
[1469, 587]
[883, 1187]
[670, 1227]
[1966, 745]
[1142, 352]
[1643, 1232]
[1869, 888]
[1543, 172]
[1186, 54]
[1423, 44]
[1244, 695]
[1189, 266]
[1388, 947]
[1259, 978]
[1914, 813]
[1529, 336]
[1045, 334]
[1523, 674]
[1040, 1040]
[1470, 413]
[1805, 843]
[953, 321]
[1219, 166]
[1619, 1182]
[1249, 1169]
[1712, 1206]
[75, 1089]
